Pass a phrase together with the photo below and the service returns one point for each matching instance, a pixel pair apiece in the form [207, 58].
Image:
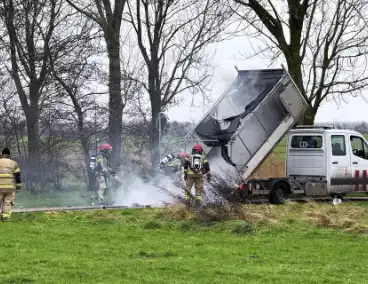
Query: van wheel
[279, 193]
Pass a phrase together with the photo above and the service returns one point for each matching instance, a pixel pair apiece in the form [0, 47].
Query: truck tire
[279, 193]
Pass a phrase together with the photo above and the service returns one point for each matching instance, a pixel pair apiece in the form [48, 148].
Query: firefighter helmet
[182, 155]
[197, 148]
[105, 148]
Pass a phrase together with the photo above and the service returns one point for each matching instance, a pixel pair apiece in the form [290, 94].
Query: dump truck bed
[249, 120]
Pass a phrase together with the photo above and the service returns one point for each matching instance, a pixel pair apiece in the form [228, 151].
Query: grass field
[264, 244]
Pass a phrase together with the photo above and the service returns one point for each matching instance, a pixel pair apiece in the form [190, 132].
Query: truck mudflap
[263, 115]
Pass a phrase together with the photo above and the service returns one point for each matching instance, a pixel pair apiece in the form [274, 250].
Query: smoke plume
[135, 190]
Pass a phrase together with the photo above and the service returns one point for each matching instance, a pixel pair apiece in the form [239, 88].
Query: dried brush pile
[346, 217]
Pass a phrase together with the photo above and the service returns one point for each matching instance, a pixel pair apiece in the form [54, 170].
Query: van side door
[359, 160]
[340, 168]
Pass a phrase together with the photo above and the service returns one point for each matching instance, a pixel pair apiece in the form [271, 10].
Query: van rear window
[306, 141]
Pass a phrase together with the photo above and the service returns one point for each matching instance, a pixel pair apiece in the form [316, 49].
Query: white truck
[259, 109]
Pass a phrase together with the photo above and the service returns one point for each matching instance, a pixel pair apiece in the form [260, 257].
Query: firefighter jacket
[102, 166]
[173, 166]
[9, 174]
[175, 163]
[190, 171]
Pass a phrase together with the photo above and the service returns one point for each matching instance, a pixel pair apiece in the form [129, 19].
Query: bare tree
[107, 14]
[324, 43]
[73, 76]
[25, 22]
[137, 127]
[172, 37]
[12, 123]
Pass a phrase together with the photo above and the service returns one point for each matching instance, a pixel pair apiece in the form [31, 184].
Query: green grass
[361, 203]
[155, 246]
[51, 199]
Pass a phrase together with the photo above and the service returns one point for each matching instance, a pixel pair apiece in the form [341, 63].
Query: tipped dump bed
[248, 120]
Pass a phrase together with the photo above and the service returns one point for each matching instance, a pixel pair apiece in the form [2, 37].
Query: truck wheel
[279, 193]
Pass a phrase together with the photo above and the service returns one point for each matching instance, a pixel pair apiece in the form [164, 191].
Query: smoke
[224, 75]
[219, 165]
[148, 191]
[135, 190]
[244, 89]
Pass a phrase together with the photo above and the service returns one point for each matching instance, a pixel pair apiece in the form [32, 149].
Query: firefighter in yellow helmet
[195, 167]
[103, 171]
[10, 180]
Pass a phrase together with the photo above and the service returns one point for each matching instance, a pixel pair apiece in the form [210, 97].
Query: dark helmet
[6, 151]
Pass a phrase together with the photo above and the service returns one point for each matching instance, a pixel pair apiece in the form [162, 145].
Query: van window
[338, 145]
[359, 147]
[306, 141]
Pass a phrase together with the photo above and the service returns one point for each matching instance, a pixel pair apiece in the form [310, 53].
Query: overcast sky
[228, 55]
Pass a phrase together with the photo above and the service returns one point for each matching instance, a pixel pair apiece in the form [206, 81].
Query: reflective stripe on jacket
[9, 174]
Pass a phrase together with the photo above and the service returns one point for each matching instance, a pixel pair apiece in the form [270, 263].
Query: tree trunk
[155, 138]
[32, 166]
[309, 116]
[32, 116]
[295, 69]
[115, 102]
[90, 175]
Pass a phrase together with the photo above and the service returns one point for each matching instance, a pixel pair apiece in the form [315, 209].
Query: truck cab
[328, 160]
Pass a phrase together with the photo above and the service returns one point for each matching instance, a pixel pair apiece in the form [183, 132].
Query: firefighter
[181, 160]
[174, 165]
[165, 160]
[103, 171]
[9, 172]
[195, 167]
[182, 155]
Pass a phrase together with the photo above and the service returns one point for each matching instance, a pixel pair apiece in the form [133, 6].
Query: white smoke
[225, 76]
[218, 165]
[243, 91]
[136, 191]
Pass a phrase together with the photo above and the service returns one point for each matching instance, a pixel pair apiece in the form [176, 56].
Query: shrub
[152, 225]
[243, 229]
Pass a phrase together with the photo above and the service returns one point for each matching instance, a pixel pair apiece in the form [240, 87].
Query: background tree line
[59, 58]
